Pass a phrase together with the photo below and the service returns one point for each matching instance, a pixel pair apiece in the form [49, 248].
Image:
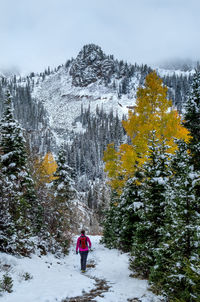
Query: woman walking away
[82, 246]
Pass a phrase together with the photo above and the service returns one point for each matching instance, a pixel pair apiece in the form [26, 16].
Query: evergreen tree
[103, 202]
[18, 190]
[180, 245]
[111, 223]
[64, 193]
[192, 120]
[192, 272]
[6, 224]
[129, 203]
[90, 198]
[153, 194]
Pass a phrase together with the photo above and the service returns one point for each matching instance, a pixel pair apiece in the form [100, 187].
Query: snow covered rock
[90, 65]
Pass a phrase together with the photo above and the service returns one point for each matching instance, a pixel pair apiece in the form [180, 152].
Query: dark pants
[84, 255]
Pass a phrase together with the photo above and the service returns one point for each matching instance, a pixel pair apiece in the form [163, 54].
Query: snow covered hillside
[96, 79]
[92, 79]
[63, 101]
[51, 279]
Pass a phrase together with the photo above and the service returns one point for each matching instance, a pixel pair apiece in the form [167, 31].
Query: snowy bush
[6, 283]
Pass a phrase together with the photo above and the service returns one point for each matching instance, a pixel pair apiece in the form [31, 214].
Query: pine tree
[192, 120]
[63, 182]
[192, 272]
[149, 229]
[7, 228]
[111, 223]
[89, 198]
[128, 214]
[18, 190]
[180, 244]
[64, 193]
[102, 202]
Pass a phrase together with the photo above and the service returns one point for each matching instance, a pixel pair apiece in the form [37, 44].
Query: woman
[82, 246]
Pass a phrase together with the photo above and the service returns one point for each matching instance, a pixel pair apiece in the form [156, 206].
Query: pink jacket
[78, 247]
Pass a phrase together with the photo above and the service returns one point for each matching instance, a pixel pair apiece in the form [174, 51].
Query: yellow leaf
[46, 167]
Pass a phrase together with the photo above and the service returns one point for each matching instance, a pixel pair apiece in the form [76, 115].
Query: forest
[139, 175]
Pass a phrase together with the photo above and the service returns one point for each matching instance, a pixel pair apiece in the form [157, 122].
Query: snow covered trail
[113, 266]
[59, 279]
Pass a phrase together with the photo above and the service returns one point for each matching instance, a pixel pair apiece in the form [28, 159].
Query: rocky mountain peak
[90, 54]
[90, 65]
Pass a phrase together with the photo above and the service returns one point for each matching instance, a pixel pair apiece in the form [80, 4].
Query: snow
[6, 156]
[54, 279]
[63, 101]
[170, 72]
[137, 205]
[159, 180]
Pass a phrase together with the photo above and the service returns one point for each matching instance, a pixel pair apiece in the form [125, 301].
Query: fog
[35, 34]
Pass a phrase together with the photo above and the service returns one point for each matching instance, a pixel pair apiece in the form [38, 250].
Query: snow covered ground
[56, 279]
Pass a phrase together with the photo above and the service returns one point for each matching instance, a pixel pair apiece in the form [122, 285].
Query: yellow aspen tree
[152, 111]
[46, 168]
[113, 166]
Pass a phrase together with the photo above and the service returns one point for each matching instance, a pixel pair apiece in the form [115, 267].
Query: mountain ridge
[93, 79]
[81, 106]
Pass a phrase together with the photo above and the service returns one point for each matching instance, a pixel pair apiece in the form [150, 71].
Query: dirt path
[101, 286]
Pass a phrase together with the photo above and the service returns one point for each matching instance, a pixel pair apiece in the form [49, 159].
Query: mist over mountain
[180, 64]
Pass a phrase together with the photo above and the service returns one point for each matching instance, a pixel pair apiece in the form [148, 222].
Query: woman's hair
[83, 232]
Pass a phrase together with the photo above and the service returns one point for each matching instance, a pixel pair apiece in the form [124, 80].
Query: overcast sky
[35, 34]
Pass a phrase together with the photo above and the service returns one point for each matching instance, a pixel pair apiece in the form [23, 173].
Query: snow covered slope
[89, 80]
[63, 101]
